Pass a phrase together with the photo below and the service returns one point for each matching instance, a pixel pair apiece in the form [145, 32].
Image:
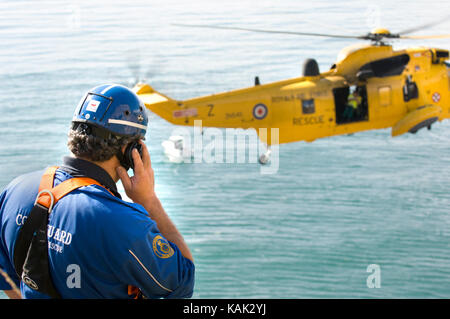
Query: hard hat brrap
[112, 109]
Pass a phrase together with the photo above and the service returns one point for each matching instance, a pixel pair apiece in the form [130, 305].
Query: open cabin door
[351, 104]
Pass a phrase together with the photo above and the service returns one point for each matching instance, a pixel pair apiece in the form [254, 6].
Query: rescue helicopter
[370, 86]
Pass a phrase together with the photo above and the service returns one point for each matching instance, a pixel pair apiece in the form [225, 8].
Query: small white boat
[175, 149]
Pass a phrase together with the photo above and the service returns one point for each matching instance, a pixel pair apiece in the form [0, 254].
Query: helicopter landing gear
[265, 158]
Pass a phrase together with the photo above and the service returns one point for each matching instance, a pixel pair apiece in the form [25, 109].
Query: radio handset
[127, 159]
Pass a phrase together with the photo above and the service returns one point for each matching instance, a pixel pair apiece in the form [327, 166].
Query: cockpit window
[386, 67]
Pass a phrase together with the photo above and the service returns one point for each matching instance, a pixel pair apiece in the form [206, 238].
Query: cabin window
[384, 95]
[442, 54]
[439, 55]
[308, 106]
[351, 104]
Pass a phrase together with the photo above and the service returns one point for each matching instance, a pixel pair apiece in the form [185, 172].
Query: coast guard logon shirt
[99, 245]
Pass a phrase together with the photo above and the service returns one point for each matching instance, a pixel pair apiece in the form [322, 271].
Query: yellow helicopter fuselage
[405, 89]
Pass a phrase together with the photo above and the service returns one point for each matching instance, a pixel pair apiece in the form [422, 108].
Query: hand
[141, 187]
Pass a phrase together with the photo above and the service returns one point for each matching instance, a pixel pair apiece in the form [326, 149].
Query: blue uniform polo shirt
[99, 245]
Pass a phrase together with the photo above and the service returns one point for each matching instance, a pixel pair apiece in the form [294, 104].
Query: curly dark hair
[82, 142]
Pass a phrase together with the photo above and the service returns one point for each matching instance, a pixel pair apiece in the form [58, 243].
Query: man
[353, 102]
[99, 246]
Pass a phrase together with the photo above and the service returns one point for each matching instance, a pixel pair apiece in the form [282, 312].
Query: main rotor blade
[424, 26]
[270, 31]
[441, 36]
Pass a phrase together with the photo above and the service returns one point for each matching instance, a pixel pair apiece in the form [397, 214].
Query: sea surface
[339, 216]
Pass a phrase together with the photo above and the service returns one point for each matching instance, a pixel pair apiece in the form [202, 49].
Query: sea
[352, 216]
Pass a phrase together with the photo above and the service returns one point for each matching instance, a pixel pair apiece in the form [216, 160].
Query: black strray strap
[25, 236]
[31, 253]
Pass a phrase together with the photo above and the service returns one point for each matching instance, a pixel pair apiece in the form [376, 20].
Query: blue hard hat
[113, 109]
